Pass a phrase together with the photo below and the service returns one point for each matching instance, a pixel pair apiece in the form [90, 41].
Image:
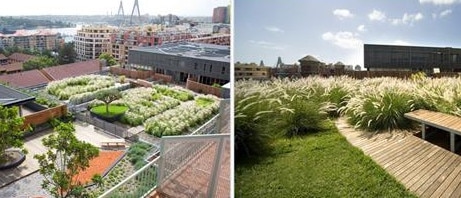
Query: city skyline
[336, 30]
[105, 7]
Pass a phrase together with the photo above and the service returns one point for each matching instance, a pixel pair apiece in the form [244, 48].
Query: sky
[103, 7]
[335, 30]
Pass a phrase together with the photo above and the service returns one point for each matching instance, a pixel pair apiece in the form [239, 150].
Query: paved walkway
[33, 144]
[195, 177]
[422, 167]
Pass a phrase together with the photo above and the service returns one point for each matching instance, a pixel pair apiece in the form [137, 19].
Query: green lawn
[113, 110]
[317, 165]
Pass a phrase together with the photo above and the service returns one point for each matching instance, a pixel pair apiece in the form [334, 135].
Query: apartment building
[251, 71]
[28, 40]
[91, 41]
[216, 39]
[122, 40]
[205, 63]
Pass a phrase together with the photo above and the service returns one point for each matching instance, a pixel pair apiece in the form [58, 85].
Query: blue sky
[103, 7]
[335, 30]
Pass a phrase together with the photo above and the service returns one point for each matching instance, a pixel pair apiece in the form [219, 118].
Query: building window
[211, 66]
[204, 67]
[223, 70]
[195, 66]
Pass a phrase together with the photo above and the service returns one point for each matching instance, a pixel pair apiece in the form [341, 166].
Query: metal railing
[201, 157]
[140, 184]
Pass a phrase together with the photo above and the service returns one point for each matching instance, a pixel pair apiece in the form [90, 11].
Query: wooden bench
[113, 143]
[449, 123]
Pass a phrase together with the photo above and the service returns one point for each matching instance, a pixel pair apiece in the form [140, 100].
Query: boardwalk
[424, 168]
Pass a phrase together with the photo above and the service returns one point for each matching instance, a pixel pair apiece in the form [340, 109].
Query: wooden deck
[422, 167]
[443, 121]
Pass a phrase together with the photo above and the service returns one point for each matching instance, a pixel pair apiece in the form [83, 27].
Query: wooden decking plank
[444, 180]
[408, 162]
[382, 141]
[415, 175]
[452, 186]
[393, 149]
[431, 175]
[426, 169]
[386, 149]
[433, 182]
[410, 155]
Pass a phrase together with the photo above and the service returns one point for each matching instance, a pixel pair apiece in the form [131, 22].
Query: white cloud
[342, 13]
[361, 28]
[346, 40]
[400, 42]
[273, 29]
[445, 12]
[267, 45]
[440, 2]
[408, 19]
[377, 15]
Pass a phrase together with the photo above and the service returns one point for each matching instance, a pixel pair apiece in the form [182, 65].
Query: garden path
[422, 167]
[33, 144]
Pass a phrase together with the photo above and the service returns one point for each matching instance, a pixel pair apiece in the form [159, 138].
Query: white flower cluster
[68, 87]
[178, 120]
[142, 104]
[89, 96]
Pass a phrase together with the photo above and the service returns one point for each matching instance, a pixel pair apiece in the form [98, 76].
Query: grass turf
[316, 165]
[113, 110]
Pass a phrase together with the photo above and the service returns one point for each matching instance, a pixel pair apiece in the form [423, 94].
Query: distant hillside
[8, 24]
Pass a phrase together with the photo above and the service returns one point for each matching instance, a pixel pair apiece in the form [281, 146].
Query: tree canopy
[11, 130]
[66, 157]
[39, 62]
[110, 60]
[67, 54]
[108, 97]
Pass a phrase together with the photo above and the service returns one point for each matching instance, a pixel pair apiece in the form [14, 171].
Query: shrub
[381, 111]
[252, 113]
[299, 115]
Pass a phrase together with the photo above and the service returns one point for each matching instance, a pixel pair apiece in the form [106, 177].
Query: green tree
[108, 96]
[65, 158]
[11, 131]
[110, 60]
[67, 54]
[97, 179]
[39, 62]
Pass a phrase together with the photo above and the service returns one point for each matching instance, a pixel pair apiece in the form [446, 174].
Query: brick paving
[195, 177]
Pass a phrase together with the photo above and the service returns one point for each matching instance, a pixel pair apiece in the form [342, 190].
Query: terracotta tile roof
[73, 69]
[3, 57]
[11, 67]
[29, 78]
[20, 57]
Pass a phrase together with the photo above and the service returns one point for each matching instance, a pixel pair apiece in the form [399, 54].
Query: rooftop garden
[285, 123]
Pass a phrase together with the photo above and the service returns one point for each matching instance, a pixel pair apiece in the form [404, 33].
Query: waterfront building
[92, 41]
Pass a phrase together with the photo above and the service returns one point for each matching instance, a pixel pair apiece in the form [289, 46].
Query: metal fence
[105, 126]
[195, 166]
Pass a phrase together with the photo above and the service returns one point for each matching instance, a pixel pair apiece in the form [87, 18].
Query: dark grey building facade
[206, 63]
[411, 58]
